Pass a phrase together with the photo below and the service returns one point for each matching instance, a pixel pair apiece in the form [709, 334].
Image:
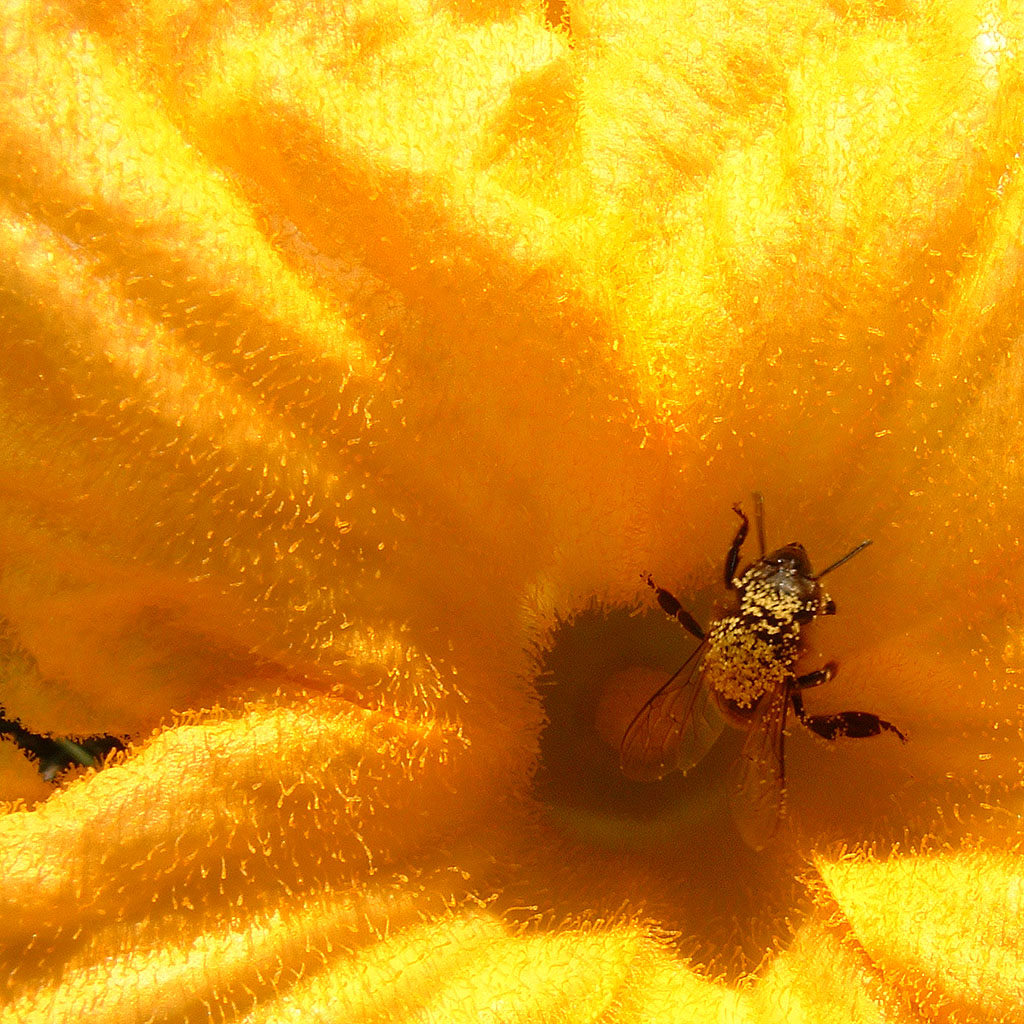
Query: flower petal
[349, 347]
[197, 802]
[943, 927]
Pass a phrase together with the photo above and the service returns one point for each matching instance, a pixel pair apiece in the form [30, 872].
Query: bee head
[789, 583]
[790, 559]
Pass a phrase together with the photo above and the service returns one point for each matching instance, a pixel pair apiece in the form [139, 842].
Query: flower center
[669, 845]
[595, 677]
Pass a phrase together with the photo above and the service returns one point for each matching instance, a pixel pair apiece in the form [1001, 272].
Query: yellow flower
[358, 358]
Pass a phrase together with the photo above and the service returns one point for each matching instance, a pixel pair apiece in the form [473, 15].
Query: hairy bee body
[754, 650]
[745, 666]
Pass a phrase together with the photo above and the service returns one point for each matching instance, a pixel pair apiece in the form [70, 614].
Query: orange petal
[943, 927]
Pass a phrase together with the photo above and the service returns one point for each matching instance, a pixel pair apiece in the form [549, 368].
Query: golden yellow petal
[404, 976]
[350, 351]
[274, 797]
[222, 970]
[943, 927]
[471, 969]
[823, 977]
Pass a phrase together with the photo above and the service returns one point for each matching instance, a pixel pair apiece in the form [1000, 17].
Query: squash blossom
[359, 358]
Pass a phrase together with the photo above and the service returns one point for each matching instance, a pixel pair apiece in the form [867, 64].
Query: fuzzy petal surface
[358, 360]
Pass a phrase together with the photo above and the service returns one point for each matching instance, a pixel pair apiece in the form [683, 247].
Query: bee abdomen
[747, 657]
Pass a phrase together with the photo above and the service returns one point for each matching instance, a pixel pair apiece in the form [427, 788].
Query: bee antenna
[849, 554]
[759, 516]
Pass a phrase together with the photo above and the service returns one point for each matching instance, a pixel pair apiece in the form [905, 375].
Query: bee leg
[854, 724]
[671, 607]
[816, 678]
[733, 558]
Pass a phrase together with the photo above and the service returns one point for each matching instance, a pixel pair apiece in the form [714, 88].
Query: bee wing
[675, 728]
[759, 775]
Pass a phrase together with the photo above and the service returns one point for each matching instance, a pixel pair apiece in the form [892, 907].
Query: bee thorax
[777, 605]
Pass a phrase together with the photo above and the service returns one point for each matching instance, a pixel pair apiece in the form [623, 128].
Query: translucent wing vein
[756, 797]
[675, 728]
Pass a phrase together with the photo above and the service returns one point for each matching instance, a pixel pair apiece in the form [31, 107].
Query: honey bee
[743, 672]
